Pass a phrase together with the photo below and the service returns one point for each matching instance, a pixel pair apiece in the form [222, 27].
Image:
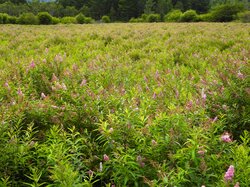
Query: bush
[12, 19]
[105, 19]
[28, 19]
[225, 13]
[136, 20]
[68, 20]
[3, 18]
[173, 16]
[204, 17]
[189, 16]
[89, 20]
[80, 18]
[244, 16]
[55, 20]
[44, 18]
[154, 18]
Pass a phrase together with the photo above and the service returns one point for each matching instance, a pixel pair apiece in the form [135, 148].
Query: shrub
[225, 13]
[105, 19]
[154, 18]
[136, 20]
[244, 16]
[173, 16]
[28, 19]
[80, 18]
[3, 18]
[68, 20]
[204, 17]
[55, 20]
[189, 16]
[89, 20]
[12, 19]
[44, 18]
[144, 17]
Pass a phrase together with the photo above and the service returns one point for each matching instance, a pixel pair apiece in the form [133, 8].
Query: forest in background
[117, 10]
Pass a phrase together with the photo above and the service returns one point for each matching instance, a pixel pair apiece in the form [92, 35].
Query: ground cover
[141, 104]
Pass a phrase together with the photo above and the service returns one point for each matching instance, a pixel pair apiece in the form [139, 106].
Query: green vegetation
[159, 104]
[130, 10]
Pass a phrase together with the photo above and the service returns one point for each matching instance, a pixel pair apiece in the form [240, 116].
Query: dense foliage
[117, 10]
[160, 104]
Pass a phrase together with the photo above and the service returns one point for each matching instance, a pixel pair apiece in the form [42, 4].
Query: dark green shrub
[105, 19]
[44, 18]
[12, 19]
[88, 20]
[189, 16]
[154, 18]
[173, 16]
[244, 16]
[80, 18]
[136, 20]
[55, 20]
[3, 18]
[225, 13]
[144, 17]
[204, 17]
[28, 19]
[68, 20]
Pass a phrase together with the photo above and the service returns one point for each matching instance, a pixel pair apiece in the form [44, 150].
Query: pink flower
[203, 95]
[237, 184]
[90, 172]
[226, 137]
[154, 142]
[201, 152]
[43, 96]
[20, 93]
[54, 78]
[83, 83]
[240, 75]
[105, 157]
[229, 174]
[32, 64]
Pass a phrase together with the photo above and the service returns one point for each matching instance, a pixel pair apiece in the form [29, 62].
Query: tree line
[117, 10]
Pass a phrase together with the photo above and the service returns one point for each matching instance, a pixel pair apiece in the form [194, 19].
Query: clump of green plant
[244, 16]
[28, 19]
[105, 19]
[189, 16]
[44, 18]
[225, 13]
[173, 16]
[68, 20]
[153, 18]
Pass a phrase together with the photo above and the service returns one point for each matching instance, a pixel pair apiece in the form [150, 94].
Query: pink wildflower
[43, 96]
[237, 184]
[240, 75]
[226, 137]
[154, 142]
[201, 152]
[83, 83]
[54, 78]
[20, 93]
[203, 95]
[229, 174]
[105, 157]
[32, 64]
[90, 172]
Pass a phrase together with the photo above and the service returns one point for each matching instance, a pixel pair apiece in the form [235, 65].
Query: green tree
[149, 7]
[164, 6]
[127, 9]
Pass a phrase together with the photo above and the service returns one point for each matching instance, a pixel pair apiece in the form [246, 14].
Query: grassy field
[125, 105]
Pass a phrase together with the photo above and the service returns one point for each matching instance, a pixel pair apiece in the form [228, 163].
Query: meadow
[143, 104]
